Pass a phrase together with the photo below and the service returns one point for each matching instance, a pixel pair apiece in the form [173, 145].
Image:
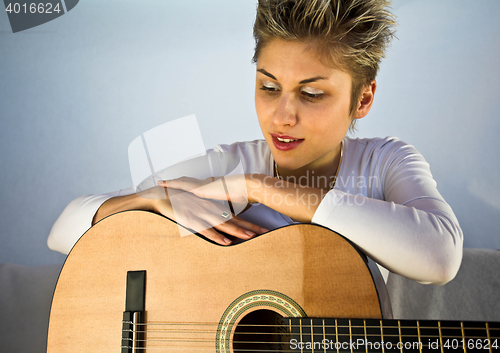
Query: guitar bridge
[133, 316]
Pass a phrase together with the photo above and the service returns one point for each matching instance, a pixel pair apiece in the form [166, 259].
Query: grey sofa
[26, 294]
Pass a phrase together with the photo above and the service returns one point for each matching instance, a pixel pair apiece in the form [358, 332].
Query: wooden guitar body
[299, 288]
[198, 294]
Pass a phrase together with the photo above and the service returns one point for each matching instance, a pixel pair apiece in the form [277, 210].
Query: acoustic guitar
[133, 284]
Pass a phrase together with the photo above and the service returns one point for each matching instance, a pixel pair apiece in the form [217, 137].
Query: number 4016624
[471, 344]
[32, 8]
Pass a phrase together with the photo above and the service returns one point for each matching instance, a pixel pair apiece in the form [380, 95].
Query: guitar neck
[379, 335]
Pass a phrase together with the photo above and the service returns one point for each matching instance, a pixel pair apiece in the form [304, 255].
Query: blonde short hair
[350, 34]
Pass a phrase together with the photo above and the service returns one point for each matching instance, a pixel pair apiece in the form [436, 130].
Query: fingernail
[249, 233]
[227, 241]
[264, 230]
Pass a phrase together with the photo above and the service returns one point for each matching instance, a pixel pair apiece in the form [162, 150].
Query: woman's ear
[366, 100]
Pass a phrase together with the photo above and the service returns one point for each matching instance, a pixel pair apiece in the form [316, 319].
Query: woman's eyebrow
[267, 74]
[312, 79]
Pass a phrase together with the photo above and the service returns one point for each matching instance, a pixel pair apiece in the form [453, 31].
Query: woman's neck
[318, 174]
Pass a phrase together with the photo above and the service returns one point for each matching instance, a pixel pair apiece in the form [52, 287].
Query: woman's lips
[285, 146]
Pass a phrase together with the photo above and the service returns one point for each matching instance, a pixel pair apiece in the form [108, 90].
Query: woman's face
[303, 106]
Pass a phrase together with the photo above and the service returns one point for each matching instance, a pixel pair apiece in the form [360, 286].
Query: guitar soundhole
[262, 330]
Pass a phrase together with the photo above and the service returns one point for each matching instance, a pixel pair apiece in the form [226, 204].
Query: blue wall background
[76, 91]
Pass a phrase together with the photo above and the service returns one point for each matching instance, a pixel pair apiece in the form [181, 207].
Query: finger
[219, 219]
[203, 227]
[250, 226]
[186, 183]
[179, 183]
[234, 227]
[215, 236]
[176, 184]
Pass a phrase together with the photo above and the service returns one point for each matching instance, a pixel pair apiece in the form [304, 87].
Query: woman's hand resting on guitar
[204, 216]
[207, 217]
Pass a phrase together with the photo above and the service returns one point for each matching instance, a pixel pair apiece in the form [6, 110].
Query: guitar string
[331, 325]
[212, 341]
[166, 323]
[387, 338]
[395, 335]
[192, 348]
[211, 349]
[458, 335]
[177, 347]
[285, 334]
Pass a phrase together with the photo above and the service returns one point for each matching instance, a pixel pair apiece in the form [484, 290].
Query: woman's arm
[203, 216]
[420, 240]
[296, 201]
[122, 203]
[75, 220]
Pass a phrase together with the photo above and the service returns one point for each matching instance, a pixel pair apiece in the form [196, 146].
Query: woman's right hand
[203, 216]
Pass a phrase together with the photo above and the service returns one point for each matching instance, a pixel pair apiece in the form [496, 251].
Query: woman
[316, 64]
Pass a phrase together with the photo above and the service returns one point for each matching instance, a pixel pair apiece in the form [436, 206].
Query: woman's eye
[270, 88]
[312, 95]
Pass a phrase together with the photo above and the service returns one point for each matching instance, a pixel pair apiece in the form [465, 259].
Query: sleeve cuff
[327, 206]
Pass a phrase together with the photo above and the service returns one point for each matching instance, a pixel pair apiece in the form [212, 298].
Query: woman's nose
[286, 111]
